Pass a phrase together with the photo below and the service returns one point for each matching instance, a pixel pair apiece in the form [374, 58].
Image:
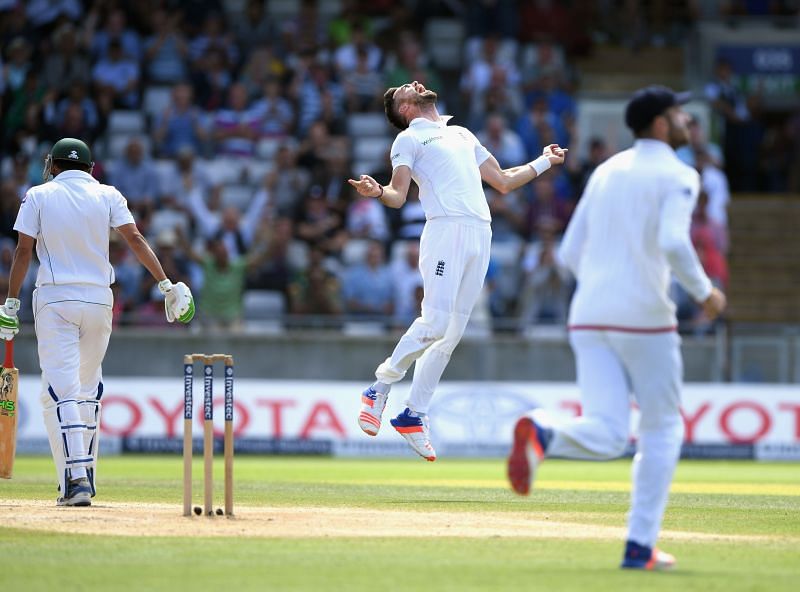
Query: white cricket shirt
[444, 163]
[629, 230]
[70, 217]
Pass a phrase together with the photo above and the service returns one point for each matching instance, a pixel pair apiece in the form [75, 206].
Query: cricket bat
[9, 382]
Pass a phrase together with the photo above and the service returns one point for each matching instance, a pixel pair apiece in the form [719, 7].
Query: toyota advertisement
[467, 418]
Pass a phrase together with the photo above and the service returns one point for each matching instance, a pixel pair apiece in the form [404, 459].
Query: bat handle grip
[9, 360]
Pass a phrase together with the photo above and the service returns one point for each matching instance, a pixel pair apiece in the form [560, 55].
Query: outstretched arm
[392, 195]
[506, 180]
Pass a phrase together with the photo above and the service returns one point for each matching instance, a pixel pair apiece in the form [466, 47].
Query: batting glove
[178, 301]
[9, 323]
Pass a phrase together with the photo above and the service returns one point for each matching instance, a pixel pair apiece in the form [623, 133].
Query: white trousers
[453, 259]
[611, 366]
[72, 340]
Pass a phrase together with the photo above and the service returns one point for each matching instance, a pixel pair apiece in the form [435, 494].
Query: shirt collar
[657, 146]
[443, 119]
[73, 174]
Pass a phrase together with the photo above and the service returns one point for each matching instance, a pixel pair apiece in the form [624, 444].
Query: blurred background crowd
[232, 126]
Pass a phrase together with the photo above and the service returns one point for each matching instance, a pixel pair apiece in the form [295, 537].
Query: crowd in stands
[232, 134]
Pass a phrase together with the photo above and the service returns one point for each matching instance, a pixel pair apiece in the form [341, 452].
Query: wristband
[540, 165]
[165, 286]
[380, 195]
[12, 305]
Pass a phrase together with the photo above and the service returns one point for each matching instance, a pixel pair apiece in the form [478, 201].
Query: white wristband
[164, 286]
[540, 165]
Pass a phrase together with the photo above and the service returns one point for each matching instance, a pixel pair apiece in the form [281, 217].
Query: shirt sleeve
[404, 151]
[673, 236]
[481, 153]
[571, 249]
[120, 214]
[28, 217]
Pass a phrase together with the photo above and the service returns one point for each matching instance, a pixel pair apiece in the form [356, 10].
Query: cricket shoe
[415, 430]
[531, 440]
[79, 493]
[372, 406]
[641, 557]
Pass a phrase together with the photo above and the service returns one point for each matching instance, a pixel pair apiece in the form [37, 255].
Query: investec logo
[433, 139]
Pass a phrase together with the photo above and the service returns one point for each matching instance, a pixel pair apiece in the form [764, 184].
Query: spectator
[546, 210]
[317, 149]
[508, 215]
[66, 66]
[366, 219]
[190, 175]
[166, 50]
[411, 66]
[77, 96]
[181, 125]
[135, 177]
[363, 85]
[237, 128]
[213, 36]
[360, 48]
[406, 280]
[224, 277]
[698, 142]
[306, 31]
[310, 86]
[716, 195]
[580, 170]
[530, 125]
[286, 182]
[274, 111]
[546, 282]
[741, 133]
[117, 78]
[20, 101]
[319, 225]
[116, 30]
[274, 270]
[18, 54]
[254, 26]
[261, 66]
[491, 72]
[237, 232]
[9, 206]
[504, 144]
[378, 300]
[211, 79]
[412, 217]
[315, 290]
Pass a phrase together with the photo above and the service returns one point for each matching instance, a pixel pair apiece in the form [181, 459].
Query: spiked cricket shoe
[642, 557]
[415, 430]
[527, 452]
[372, 406]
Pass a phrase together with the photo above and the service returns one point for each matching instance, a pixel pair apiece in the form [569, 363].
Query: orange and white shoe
[527, 452]
[642, 557]
[415, 430]
[372, 406]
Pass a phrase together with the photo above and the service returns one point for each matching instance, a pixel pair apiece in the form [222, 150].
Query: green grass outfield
[753, 507]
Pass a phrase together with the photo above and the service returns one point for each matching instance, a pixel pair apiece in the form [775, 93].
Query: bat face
[9, 380]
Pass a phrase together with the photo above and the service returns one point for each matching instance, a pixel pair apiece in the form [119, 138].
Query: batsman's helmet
[68, 150]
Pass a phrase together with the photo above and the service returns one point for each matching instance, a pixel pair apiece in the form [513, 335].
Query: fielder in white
[629, 231]
[448, 164]
[68, 219]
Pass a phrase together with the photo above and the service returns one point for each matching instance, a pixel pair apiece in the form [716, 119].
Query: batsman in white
[630, 229]
[448, 164]
[68, 218]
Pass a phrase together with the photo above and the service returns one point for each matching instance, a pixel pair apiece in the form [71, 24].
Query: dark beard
[427, 98]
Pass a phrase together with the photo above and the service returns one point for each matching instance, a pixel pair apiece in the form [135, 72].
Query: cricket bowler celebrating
[448, 164]
[630, 230]
[69, 218]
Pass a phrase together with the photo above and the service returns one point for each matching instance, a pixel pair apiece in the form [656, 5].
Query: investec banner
[467, 418]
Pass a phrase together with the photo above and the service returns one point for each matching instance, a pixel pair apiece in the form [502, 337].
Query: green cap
[73, 150]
